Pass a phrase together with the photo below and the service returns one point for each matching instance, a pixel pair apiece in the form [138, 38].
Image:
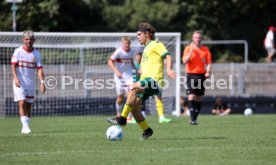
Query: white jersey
[123, 62]
[269, 39]
[27, 63]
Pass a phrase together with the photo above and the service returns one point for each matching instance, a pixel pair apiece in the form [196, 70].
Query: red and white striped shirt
[123, 62]
[27, 63]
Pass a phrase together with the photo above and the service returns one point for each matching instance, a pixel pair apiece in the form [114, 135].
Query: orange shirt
[198, 61]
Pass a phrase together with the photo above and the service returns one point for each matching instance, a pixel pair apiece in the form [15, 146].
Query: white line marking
[96, 150]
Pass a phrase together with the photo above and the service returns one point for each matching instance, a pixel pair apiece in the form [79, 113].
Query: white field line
[116, 150]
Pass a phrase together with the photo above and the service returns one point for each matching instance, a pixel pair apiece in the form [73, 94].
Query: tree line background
[219, 20]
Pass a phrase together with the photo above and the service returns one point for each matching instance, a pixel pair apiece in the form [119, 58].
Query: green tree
[37, 15]
[219, 20]
[126, 16]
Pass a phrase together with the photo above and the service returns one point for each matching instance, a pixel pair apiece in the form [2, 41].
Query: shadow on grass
[191, 138]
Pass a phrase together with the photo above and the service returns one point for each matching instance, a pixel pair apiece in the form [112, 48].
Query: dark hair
[146, 27]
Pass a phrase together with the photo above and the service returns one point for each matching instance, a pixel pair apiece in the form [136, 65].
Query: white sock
[119, 108]
[144, 114]
[161, 117]
[28, 120]
[24, 121]
[129, 116]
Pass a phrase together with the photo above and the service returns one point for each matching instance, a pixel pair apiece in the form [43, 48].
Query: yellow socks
[127, 109]
[144, 125]
[159, 107]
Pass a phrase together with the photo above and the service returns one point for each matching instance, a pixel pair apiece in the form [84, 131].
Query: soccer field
[216, 140]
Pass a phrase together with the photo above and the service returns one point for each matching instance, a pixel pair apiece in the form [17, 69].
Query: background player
[197, 59]
[25, 61]
[121, 62]
[269, 43]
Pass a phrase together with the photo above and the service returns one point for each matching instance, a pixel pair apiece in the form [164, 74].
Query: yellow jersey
[152, 64]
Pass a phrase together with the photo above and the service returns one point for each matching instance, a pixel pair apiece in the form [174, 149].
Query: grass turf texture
[81, 140]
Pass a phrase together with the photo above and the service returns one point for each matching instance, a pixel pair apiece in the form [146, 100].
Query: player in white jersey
[121, 62]
[24, 63]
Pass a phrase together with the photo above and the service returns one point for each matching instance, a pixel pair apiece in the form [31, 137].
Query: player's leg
[268, 58]
[270, 53]
[141, 121]
[226, 112]
[128, 107]
[27, 109]
[20, 97]
[131, 101]
[197, 105]
[119, 104]
[24, 111]
[160, 109]
[191, 107]
[143, 109]
[214, 112]
[120, 91]
[190, 91]
[199, 93]
[195, 91]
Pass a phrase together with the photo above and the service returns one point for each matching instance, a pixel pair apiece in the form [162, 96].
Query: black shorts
[195, 84]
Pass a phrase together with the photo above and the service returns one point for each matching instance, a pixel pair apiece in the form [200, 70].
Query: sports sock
[198, 108]
[143, 124]
[143, 113]
[159, 107]
[127, 109]
[119, 108]
[24, 120]
[191, 106]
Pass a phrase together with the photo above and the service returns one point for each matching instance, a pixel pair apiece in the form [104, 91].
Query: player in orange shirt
[198, 60]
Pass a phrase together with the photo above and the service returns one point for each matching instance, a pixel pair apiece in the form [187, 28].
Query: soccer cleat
[117, 121]
[164, 120]
[193, 123]
[146, 134]
[26, 130]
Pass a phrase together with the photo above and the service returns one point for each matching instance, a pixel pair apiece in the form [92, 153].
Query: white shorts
[23, 94]
[122, 86]
[270, 51]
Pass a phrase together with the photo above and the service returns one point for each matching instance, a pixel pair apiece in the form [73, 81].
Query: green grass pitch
[216, 140]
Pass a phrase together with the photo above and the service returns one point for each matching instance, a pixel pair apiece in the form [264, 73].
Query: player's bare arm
[16, 80]
[208, 71]
[41, 78]
[171, 73]
[113, 67]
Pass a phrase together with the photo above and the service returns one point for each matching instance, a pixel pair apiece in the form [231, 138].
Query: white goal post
[77, 59]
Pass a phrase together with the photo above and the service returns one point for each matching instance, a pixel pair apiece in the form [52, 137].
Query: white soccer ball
[248, 111]
[114, 133]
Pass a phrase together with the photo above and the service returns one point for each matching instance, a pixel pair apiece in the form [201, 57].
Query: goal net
[77, 77]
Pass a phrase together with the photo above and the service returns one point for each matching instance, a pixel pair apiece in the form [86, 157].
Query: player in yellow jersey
[152, 74]
[158, 98]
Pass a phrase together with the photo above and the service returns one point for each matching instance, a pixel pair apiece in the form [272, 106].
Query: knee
[120, 100]
[132, 93]
[21, 104]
